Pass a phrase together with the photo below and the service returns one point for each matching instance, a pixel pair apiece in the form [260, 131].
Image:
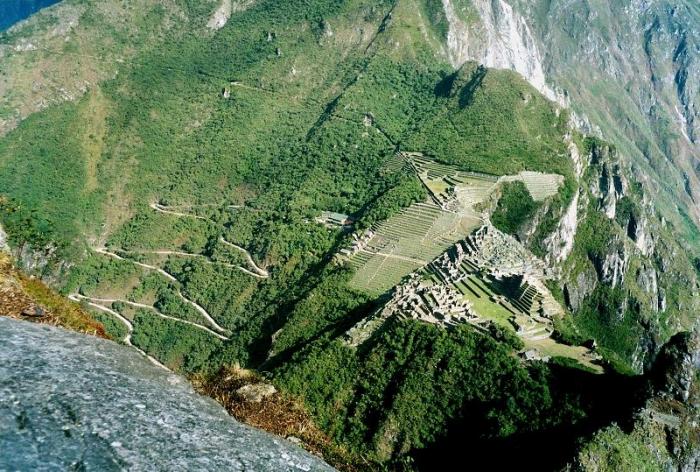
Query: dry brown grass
[278, 414]
[19, 294]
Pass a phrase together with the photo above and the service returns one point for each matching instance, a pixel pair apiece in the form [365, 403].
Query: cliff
[75, 401]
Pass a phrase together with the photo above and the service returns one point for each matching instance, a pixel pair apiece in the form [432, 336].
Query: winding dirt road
[165, 252]
[172, 278]
[262, 273]
[256, 272]
[130, 327]
[155, 311]
[164, 209]
[217, 330]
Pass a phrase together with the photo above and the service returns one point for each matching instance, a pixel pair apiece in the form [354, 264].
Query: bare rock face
[561, 242]
[614, 266]
[677, 365]
[256, 392]
[74, 402]
[576, 292]
[647, 280]
[221, 16]
[3, 241]
[501, 40]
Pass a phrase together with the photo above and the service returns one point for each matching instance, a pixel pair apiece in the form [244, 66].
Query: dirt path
[170, 277]
[260, 271]
[166, 210]
[165, 252]
[236, 83]
[198, 205]
[256, 272]
[155, 311]
[130, 327]
[140, 264]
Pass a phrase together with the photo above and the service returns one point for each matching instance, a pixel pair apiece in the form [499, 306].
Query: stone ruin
[433, 303]
[448, 201]
[502, 255]
[508, 264]
[331, 219]
[359, 242]
[420, 300]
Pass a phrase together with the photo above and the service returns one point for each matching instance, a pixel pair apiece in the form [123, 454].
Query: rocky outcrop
[640, 232]
[648, 281]
[613, 268]
[677, 367]
[676, 381]
[76, 402]
[220, 17]
[576, 290]
[4, 246]
[561, 242]
[607, 182]
[256, 392]
[664, 433]
[501, 39]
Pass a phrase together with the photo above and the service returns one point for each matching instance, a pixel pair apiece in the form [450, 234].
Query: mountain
[424, 221]
[662, 434]
[629, 70]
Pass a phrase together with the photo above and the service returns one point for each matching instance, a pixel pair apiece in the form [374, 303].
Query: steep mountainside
[355, 198]
[629, 69]
[663, 433]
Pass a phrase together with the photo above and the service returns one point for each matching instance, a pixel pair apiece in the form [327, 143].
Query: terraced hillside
[411, 239]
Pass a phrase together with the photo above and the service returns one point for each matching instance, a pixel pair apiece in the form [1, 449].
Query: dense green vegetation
[415, 381]
[612, 450]
[419, 407]
[492, 121]
[407, 190]
[515, 207]
[177, 345]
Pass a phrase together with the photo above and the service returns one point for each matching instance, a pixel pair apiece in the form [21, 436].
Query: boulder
[256, 392]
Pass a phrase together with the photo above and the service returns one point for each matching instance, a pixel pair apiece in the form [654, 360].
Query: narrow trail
[257, 271]
[140, 264]
[198, 205]
[261, 272]
[170, 277]
[164, 209]
[165, 252]
[154, 310]
[239, 84]
[130, 327]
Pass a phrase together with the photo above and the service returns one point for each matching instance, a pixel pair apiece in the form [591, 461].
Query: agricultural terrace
[513, 298]
[405, 242]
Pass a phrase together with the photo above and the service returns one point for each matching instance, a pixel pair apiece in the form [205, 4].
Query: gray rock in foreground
[74, 402]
